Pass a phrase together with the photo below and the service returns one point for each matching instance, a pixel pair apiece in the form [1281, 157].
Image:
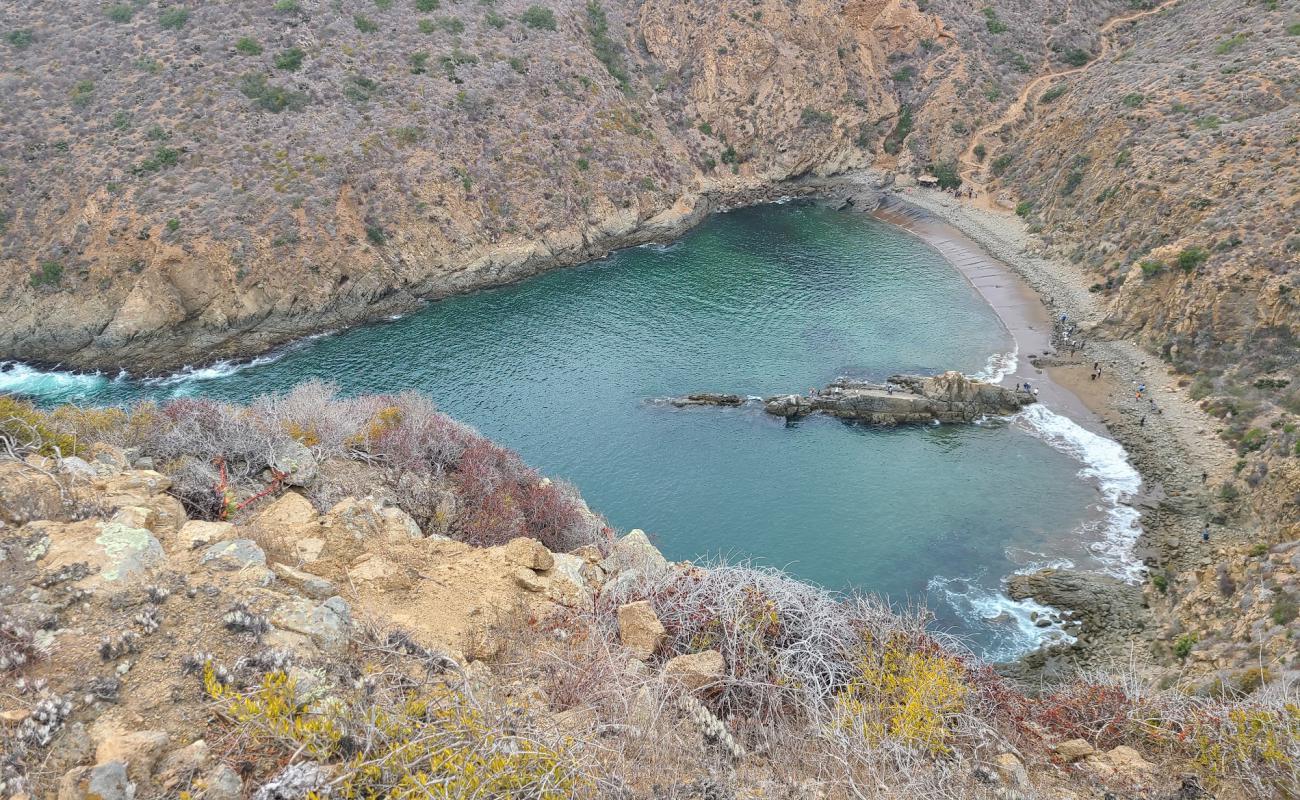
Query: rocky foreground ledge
[901, 400]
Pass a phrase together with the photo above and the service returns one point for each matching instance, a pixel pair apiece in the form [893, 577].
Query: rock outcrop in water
[903, 399]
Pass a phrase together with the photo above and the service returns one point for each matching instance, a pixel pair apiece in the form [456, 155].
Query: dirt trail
[971, 168]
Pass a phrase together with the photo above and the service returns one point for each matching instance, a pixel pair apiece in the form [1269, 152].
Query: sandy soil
[1172, 442]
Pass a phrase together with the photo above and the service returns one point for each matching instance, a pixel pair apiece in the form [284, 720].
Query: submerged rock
[707, 399]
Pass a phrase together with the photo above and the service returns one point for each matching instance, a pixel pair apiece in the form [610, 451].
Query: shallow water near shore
[569, 368]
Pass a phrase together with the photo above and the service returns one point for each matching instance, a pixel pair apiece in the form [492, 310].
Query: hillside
[202, 604]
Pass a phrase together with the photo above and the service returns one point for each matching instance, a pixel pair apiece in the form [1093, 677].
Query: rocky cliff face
[207, 180]
[906, 399]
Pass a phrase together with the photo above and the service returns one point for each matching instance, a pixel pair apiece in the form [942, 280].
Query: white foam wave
[1105, 462]
[20, 378]
[999, 366]
[1012, 625]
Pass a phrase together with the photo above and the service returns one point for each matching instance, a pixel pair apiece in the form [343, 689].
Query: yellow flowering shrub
[24, 426]
[904, 692]
[1247, 739]
[434, 743]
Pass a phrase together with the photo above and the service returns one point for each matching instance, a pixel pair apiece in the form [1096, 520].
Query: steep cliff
[188, 182]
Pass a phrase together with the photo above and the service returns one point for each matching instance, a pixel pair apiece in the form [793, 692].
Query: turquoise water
[566, 368]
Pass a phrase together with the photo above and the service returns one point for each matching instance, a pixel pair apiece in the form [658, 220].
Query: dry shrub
[393, 734]
[218, 454]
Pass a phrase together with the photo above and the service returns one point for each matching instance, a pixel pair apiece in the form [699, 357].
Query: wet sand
[1017, 305]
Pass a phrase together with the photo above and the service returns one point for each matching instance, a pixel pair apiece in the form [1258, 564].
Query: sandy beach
[1171, 441]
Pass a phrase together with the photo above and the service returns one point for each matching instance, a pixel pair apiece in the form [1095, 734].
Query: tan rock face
[1074, 749]
[697, 670]
[639, 629]
[27, 494]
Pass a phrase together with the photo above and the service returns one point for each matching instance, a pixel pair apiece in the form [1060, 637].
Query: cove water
[570, 369]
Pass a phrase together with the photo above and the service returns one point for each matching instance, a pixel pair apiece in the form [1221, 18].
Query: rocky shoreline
[1173, 450]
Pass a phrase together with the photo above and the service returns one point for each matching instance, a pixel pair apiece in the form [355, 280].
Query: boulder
[568, 585]
[281, 526]
[1127, 760]
[695, 671]
[1074, 749]
[639, 629]
[529, 553]
[234, 554]
[115, 551]
[379, 573]
[138, 750]
[292, 459]
[198, 533]
[100, 782]
[222, 783]
[352, 526]
[1011, 771]
[181, 764]
[327, 624]
[27, 494]
[634, 551]
[311, 585]
[530, 581]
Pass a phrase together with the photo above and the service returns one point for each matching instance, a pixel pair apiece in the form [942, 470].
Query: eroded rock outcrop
[903, 399]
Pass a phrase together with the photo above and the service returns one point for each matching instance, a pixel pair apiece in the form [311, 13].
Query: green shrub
[290, 59]
[286, 6]
[383, 5]
[248, 46]
[494, 20]
[979, 152]
[173, 225]
[1284, 610]
[705, 128]
[269, 97]
[451, 25]
[19, 39]
[584, 164]
[419, 62]
[993, 93]
[1207, 123]
[360, 89]
[904, 74]
[426, 5]
[408, 135]
[539, 17]
[120, 120]
[730, 156]
[1076, 57]
[1134, 99]
[1000, 164]
[82, 93]
[1183, 645]
[949, 177]
[376, 235]
[894, 141]
[160, 159]
[1293, 29]
[1123, 157]
[1257, 549]
[1053, 93]
[1151, 268]
[608, 51]
[1023, 208]
[426, 26]
[173, 18]
[811, 116]
[364, 23]
[157, 133]
[1161, 581]
[1253, 439]
[1230, 44]
[50, 274]
[1191, 258]
[1072, 181]
[991, 20]
[120, 12]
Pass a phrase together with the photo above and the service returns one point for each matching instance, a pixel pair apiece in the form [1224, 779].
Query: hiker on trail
[1142, 423]
[1205, 476]
[1096, 366]
[1063, 317]
[1205, 533]
[1035, 392]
